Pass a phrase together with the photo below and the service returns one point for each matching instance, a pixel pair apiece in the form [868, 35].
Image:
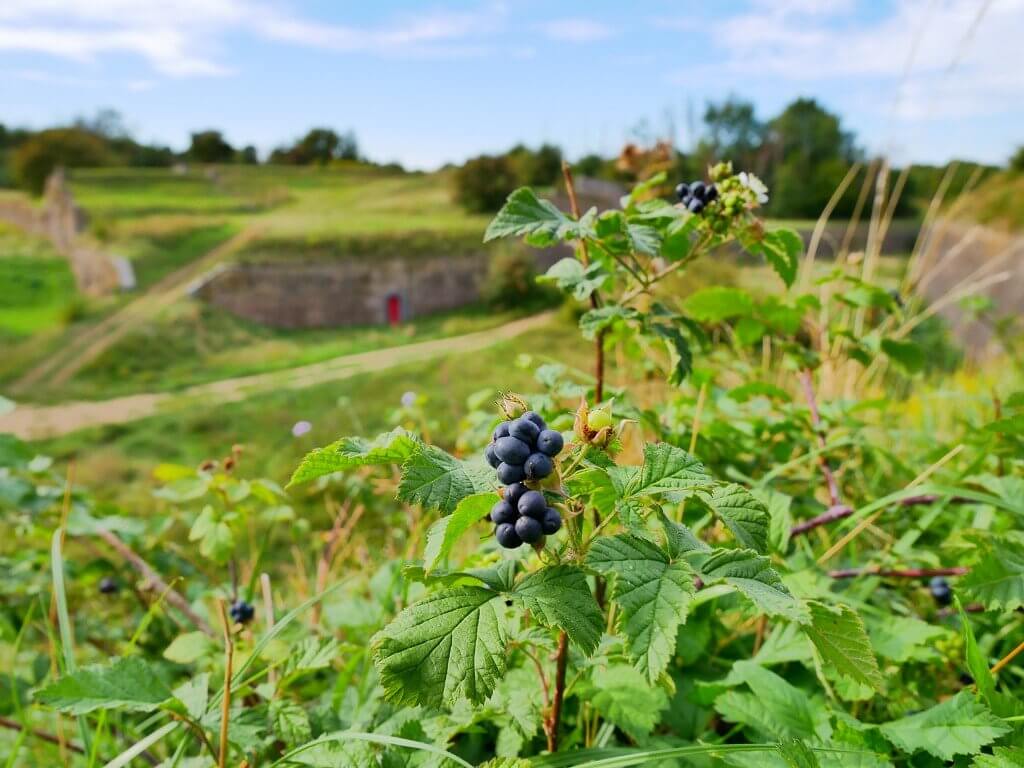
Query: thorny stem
[828, 516]
[898, 573]
[153, 577]
[556, 705]
[806, 379]
[842, 511]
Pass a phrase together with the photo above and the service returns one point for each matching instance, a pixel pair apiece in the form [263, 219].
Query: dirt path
[92, 342]
[38, 422]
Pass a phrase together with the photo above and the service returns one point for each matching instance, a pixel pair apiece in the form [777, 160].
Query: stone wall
[60, 220]
[355, 291]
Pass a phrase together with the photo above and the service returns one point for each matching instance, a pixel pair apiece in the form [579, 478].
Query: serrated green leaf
[842, 641]
[214, 535]
[391, 447]
[717, 303]
[1001, 757]
[666, 469]
[775, 707]
[193, 694]
[678, 347]
[902, 638]
[526, 214]
[781, 248]
[559, 597]
[976, 661]
[997, 580]
[623, 696]
[654, 593]
[958, 726]
[796, 754]
[438, 481]
[443, 534]
[644, 239]
[595, 320]
[310, 654]
[572, 277]
[128, 683]
[679, 539]
[743, 514]
[290, 722]
[753, 576]
[449, 646]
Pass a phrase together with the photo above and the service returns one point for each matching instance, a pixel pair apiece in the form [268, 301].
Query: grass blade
[141, 746]
[391, 741]
[64, 621]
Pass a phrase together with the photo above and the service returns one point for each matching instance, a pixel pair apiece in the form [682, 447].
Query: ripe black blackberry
[523, 449]
[940, 591]
[241, 612]
[108, 586]
[696, 195]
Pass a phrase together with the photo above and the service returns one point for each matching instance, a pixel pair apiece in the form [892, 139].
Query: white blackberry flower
[755, 185]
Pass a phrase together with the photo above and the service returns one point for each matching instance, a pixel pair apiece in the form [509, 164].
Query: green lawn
[38, 291]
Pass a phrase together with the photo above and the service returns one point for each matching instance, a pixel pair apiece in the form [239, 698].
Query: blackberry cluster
[523, 449]
[696, 195]
[940, 591]
[241, 612]
[523, 517]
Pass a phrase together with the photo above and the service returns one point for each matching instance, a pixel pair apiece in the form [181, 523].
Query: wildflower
[755, 185]
[300, 428]
[408, 399]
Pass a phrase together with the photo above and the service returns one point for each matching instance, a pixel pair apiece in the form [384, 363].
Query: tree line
[803, 154]
[28, 157]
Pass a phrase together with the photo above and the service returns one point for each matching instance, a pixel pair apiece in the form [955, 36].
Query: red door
[394, 309]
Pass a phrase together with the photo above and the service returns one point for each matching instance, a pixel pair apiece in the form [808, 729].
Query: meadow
[789, 503]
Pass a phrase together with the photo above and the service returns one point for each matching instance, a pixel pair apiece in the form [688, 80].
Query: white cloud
[576, 30]
[181, 38]
[952, 71]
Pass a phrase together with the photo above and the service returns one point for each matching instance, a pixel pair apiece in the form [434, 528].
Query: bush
[34, 161]
[512, 281]
[483, 183]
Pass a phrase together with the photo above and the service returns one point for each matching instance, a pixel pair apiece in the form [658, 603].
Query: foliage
[35, 159]
[678, 614]
[483, 183]
[209, 147]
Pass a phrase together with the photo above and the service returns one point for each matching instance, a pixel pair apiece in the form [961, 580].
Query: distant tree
[107, 123]
[319, 146]
[538, 168]
[1017, 161]
[733, 132]
[37, 157]
[590, 165]
[210, 147]
[810, 153]
[247, 155]
[483, 183]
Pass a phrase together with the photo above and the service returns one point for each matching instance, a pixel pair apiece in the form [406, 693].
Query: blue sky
[430, 82]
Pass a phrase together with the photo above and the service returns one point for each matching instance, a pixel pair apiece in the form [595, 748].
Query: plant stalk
[898, 573]
[555, 718]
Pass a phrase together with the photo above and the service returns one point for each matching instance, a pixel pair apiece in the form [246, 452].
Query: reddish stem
[556, 705]
[898, 573]
[837, 512]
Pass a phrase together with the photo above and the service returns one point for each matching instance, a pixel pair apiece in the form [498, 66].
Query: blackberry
[940, 591]
[241, 612]
[529, 530]
[696, 196]
[108, 586]
[523, 449]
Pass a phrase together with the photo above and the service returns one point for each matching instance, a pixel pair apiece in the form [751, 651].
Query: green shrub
[34, 161]
[483, 183]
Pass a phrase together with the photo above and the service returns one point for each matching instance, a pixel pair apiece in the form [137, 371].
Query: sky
[424, 83]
